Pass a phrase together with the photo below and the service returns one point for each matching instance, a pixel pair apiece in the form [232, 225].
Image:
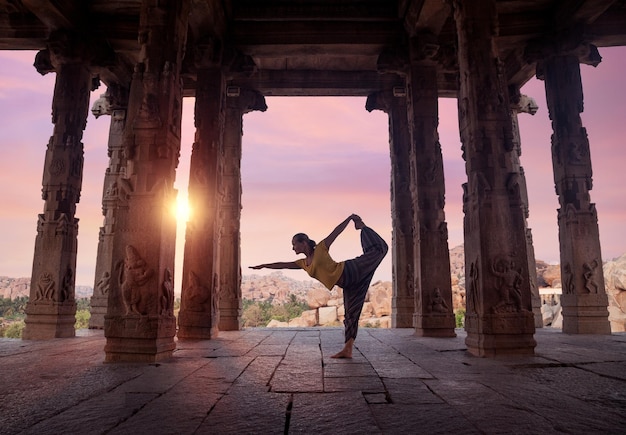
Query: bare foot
[345, 353]
[358, 222]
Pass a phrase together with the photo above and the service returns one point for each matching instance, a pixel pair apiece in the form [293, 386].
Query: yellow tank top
[323, 268]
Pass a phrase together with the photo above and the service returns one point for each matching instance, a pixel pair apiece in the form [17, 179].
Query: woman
[354, 276]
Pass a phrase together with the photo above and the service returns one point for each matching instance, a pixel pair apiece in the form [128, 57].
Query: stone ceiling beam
[321, 83]
[421, 15]
[258, 33]
[581, 11]
[61, 14]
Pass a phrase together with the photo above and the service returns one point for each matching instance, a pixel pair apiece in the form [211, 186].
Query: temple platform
[279, 381]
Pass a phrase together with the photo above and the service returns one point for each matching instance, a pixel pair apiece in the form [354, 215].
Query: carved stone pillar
[434, 315]
[199, 315]
[584, 300]
[238, 102]
[51, 310]
[140, 323]
[499, 317]
[113, 103]
[404, 246]
[524, 104]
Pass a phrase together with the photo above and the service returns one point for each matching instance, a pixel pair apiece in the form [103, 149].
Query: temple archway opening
[307, 163]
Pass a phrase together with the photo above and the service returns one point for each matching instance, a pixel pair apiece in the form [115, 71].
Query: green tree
[83, 304]
[459, 316]
[260, 313]
[14, 330]
[82, 319]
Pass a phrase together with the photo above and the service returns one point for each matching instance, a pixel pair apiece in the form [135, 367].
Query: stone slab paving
[277, 381]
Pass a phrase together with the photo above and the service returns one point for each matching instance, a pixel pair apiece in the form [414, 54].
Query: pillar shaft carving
[199, 314]
[238, 102]
[140, 323]
[405, 268]
[584, 299]
[523, 104]
[499, 316]
[52, 307]
[113, 103]
[434, 314]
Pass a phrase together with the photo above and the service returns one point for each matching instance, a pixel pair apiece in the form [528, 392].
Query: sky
[307, 164]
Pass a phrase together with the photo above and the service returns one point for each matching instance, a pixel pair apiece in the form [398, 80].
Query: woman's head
[302, 244]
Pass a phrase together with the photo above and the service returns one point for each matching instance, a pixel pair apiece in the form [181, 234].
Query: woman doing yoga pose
[354, 275]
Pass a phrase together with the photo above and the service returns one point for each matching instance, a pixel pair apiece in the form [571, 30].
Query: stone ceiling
[316, 47]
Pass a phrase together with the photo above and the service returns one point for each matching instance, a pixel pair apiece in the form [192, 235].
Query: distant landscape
[276, 289]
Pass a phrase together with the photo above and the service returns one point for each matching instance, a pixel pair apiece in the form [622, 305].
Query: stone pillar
[51, 310]
[113, 103]
[434, 314]
[140, 323]
[499, 317]
[523, 104]
[404, 245]
[199, 315]
[584, 300]
[238, 102]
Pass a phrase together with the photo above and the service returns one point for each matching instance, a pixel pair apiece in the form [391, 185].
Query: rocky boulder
[379, 297]
[317, 297]
[615, 284]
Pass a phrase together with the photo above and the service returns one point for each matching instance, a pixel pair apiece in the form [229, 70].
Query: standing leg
[356, 279]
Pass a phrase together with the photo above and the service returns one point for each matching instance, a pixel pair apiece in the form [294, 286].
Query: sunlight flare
[182, 209]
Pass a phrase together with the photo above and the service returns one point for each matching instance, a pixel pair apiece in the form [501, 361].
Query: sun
[183, 210]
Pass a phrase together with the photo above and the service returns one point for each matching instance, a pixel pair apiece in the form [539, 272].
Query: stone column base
[585, 314]
[500, 334]
[196, 325]
[98, 311]
[230, 322]
[46, 320]
[402, 310]
[434, 325]
[139, 338]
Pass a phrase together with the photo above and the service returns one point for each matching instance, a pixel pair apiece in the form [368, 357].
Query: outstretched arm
[277, 265]
[338, 230]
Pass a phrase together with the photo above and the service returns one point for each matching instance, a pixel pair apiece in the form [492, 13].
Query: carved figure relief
[508, 283]
[437, 302]
[56, 167]
[568, 279]
[197, 294]
[67, 285]
[577, 153]
[473, 288]
[134, 275]
[45, 287]
[103, 284]
[167, 294]
[589, 272]
[513, 186]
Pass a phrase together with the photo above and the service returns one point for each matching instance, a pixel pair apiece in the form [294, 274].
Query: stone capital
[384, 100]
[565, 44]
[424, 47]
[207, 53]
[246, 100]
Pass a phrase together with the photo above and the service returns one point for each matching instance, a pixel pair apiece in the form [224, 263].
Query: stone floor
[273, 381]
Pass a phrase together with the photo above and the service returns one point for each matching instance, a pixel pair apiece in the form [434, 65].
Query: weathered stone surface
[324, 413]
[396, 383]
